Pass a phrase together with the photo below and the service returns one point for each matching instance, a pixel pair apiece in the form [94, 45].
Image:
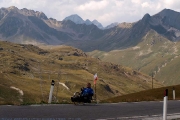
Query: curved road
[132, 110]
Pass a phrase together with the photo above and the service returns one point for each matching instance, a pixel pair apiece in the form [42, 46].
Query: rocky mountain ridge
[29, 26]
[78, 20]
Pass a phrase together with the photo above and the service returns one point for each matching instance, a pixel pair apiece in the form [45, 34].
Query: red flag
[95, 78]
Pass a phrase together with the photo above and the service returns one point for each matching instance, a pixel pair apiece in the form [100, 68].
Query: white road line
[152, 117]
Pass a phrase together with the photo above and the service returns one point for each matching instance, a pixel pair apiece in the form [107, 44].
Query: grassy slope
[155, 54]
[31, 69]
[147, 95]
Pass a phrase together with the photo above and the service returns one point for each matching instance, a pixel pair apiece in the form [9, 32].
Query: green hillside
[153, 55]
[26, 73]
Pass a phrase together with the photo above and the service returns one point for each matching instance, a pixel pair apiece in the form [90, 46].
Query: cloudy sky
[105, 11]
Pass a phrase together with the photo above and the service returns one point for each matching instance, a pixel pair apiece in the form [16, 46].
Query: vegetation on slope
[26, 73]
[153, 55]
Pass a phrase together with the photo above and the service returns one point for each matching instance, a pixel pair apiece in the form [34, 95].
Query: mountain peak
[78, 20]
[12, 7]
[75, 18]
[125, 25]
[38, 14]
[41, 15]
[99, 25]
[168, 12]
[88, 22]
[112, 25]
[75, 15]
[146, 17]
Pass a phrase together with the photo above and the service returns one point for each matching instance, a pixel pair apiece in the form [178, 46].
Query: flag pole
[95, 91]
[95, 79]
[98, 73]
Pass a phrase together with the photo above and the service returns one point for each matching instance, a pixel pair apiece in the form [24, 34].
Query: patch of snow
[164, 65]
[177, 34]
[159, 69]
[126, 74]
[140, 53]
[149, 51]
[146, 35]
[136, 47]
[64, 85]
[105, 54]
[20, 91]
[175, 56]
[175, 50]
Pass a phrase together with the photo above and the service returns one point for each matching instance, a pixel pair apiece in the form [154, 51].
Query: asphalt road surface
[88, 111]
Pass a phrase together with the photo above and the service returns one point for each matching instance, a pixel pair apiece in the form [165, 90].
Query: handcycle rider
[85, 95]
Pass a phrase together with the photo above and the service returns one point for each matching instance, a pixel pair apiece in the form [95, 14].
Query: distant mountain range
[29, 26]
[78, 20]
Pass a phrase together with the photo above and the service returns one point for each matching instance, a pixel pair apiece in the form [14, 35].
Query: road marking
[152, 117]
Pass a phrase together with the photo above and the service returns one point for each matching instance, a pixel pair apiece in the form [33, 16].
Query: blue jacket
[87, 92]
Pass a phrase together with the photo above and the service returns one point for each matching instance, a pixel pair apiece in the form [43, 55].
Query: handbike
[78, 98]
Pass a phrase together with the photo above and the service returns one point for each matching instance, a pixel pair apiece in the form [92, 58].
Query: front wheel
[76, 98]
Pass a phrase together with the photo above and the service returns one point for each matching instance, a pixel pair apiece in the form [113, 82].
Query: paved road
[85, 112]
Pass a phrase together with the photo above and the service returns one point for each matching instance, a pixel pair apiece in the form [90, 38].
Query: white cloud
[93, 5]
[105, 11]
[172, 4]
[145, 4]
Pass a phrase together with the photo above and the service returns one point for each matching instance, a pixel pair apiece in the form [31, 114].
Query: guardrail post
[51, 91]
[174, 94]
[165, 105]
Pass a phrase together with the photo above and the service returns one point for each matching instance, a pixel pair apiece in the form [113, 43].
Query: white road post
[174, 94]
[51, 91]
[165, 105]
